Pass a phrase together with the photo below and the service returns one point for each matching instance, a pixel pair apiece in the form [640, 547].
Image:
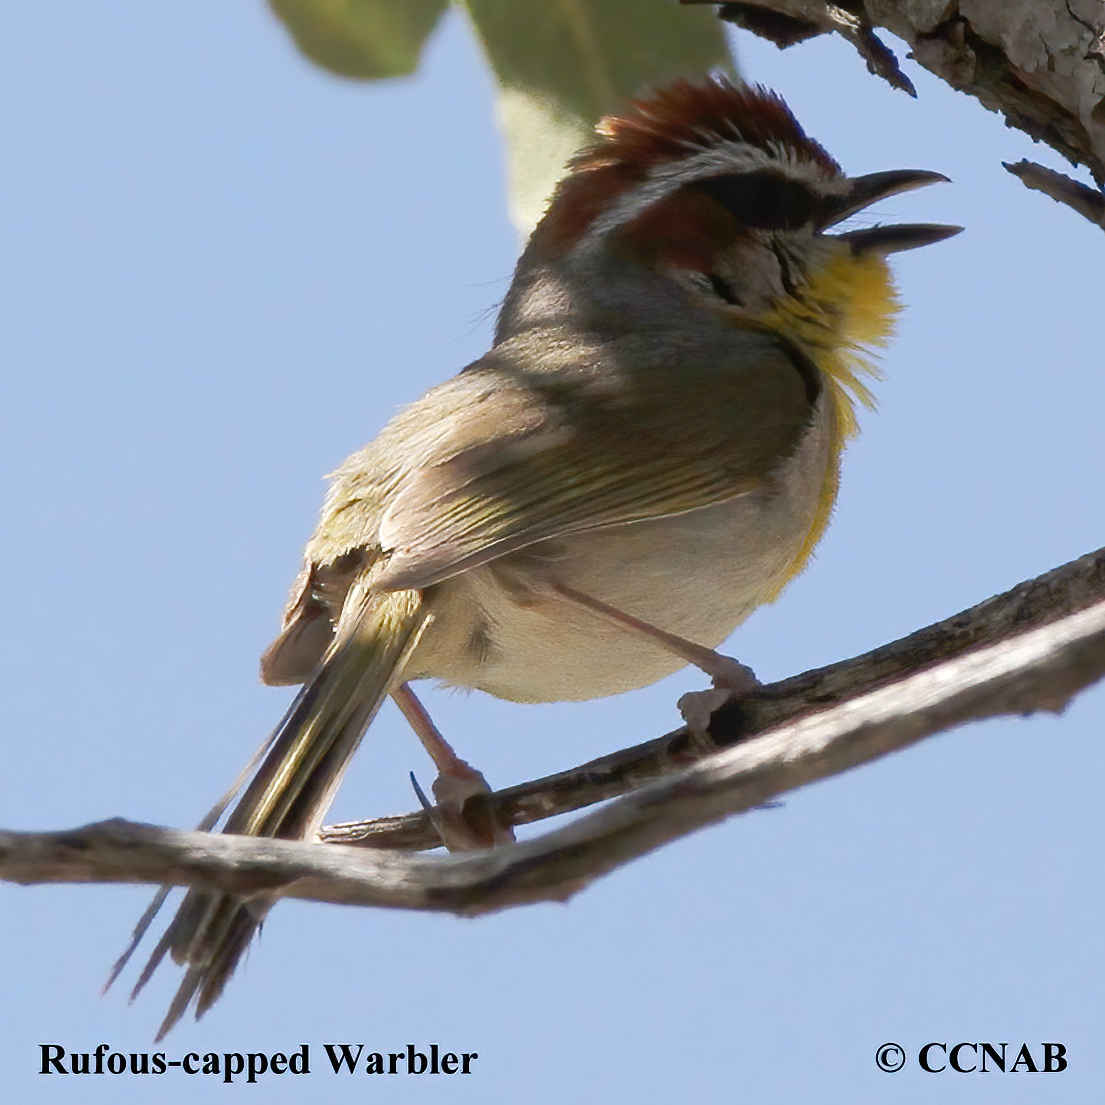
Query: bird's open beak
[866, 190]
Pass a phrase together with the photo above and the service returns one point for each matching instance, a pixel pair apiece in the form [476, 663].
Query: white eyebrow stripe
[724, 156]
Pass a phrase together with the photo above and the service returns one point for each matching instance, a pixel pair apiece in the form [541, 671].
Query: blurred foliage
[559, 65]
[368, 39]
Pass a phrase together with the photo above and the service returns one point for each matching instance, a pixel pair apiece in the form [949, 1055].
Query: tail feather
[291, 790]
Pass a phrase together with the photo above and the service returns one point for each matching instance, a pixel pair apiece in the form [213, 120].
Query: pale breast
[699, 575]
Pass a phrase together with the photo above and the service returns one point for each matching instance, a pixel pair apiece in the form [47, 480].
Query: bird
[649, 451]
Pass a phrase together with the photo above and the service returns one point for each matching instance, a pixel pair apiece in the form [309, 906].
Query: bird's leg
[731, 679]
[463, 817]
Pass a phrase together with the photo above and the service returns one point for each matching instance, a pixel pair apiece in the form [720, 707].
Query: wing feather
[593, 442]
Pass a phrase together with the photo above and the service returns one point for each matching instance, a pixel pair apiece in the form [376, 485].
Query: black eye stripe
[763, 199]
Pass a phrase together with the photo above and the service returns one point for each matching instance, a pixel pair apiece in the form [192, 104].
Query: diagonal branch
[1030, 604]
[1039, 668]
[1088, 202]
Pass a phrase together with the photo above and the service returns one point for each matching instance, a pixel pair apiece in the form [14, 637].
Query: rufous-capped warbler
[648, 452]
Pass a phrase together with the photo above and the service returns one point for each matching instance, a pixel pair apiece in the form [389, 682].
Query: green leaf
[560, 65]
[563, 64]
[369, 39]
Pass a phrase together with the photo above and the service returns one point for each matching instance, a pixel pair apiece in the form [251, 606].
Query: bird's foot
[732, 681]
[464, 816]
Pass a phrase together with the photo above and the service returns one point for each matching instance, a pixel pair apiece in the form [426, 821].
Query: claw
[732, 681]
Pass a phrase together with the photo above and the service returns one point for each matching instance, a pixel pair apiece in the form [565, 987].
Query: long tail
[291, 791]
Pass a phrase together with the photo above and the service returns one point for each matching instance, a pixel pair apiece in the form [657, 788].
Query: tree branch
[1088, 202]
[1043, 655]
[1031, 604]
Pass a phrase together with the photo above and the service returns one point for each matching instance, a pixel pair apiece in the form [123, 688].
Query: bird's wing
[534, 455]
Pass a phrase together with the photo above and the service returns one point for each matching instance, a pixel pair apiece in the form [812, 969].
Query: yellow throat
[844, 313]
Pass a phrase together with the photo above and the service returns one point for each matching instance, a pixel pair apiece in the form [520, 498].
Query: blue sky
[222, 271]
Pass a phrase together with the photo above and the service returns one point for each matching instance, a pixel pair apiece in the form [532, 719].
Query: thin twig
[1033, 603]
[1037, 669]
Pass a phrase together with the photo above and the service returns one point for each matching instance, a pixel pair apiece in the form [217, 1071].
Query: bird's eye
[723, 291]
[762, 199]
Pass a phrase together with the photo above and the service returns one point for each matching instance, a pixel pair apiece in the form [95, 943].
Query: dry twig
[1030, 649]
